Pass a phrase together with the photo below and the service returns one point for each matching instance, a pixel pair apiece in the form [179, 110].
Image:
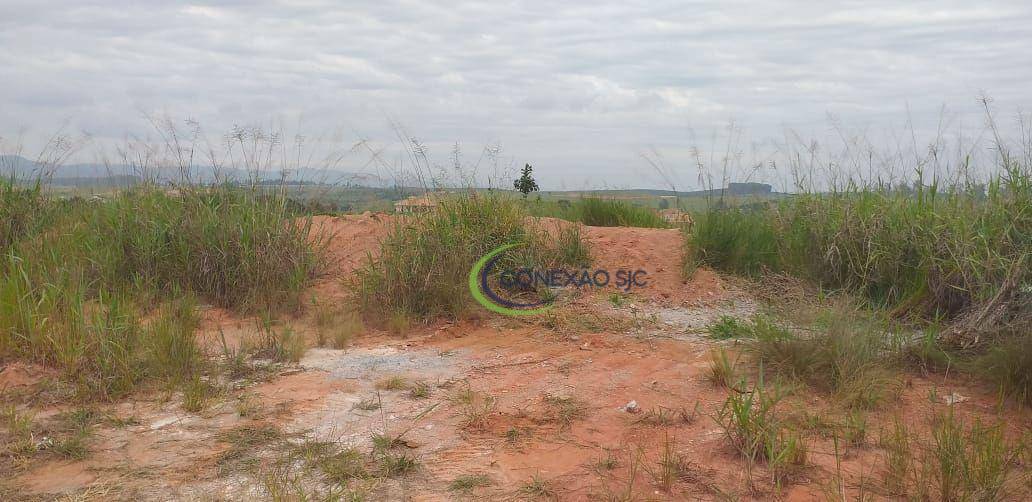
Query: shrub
[425, 261]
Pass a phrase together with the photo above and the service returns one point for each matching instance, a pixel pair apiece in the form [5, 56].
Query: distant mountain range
[120, 175]
[732, 189]
[94, 174]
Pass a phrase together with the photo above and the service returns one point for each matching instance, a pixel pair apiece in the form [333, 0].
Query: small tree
[526, 184]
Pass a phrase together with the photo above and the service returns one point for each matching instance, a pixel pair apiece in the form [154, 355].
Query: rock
[632, 407]
[954, 398]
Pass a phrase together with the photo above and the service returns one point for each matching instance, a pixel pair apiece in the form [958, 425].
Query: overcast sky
[580, 89]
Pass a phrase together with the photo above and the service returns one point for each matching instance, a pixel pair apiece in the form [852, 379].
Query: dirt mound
[350, 240]
[658, 252]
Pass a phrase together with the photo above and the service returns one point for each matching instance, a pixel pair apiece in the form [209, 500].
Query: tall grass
[21, 212]
[959, 461]
[599, 212]
[73, 294]
[425, 261]
[842, 354]
[957, 253]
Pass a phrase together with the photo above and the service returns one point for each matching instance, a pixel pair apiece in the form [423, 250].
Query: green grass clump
[958, 461]
[959, 253]
[423, 269]
[844, 355]
[599, 212]
[22, 212]
[739, 240]
[74, 292]
[752, 425]
[1009, 364]
[728, 327]
[468, 482]
[236, 248]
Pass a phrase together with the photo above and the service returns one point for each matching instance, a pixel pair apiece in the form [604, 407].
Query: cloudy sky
[580, 89]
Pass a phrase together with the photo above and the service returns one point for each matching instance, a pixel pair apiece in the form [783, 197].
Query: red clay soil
[352, 240]
[527, 368]
[657, 251]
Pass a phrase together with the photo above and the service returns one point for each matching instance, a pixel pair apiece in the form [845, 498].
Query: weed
[392, 383]
[474, 408]
[367, 404]
[467, 482]
[538, 487]
[753, 427]
[420, 390]
[393, 465]
[515, 434]
[74, 446]
[728, 327]
[616, 299]
[854, 429]
[843, 357]
[196, 394]
[971, 463]
[1009, 364]
[244, 444]
[282, 346]
[599, 212]
[343, 466]
[19, 425]
[345, 330]
[933, 251]
[249, 406]
[564, 410]
[723, 371]
[607, 463]
[898, 457]
[958, 461]
[672, 466]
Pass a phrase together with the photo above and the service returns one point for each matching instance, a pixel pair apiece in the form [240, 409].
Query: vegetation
[525, 184]
[958, 461]
[78, 284]
[952, 260]
[600, 212]
[424, 266]
[957, 252]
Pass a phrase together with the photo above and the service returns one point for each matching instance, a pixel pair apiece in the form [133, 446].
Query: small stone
[954, 398]
[631, 407]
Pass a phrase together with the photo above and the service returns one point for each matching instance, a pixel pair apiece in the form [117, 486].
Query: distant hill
[740, 189]
[94, 174]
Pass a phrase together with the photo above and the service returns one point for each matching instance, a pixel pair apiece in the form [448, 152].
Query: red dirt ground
[169, 453]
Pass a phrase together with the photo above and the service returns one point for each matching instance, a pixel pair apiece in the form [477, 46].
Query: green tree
[526, 184]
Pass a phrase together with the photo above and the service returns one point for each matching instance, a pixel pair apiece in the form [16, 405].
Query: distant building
[416, 204]
[748, 188]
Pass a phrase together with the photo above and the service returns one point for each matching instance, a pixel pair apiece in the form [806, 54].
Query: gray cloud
[578, 88]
